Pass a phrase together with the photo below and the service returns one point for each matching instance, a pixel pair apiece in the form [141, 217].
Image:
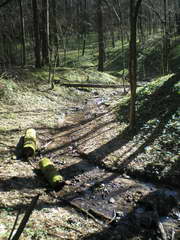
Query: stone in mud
[111, 200]
[50, 173]
[30, 143]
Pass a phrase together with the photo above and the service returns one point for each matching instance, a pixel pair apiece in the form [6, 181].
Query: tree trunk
[84, 29]
[45, 32]
[100, 36]
[55, 31]
[165, 40]
[37, 49]
[22, 34]
[177, 17]
[134, 7]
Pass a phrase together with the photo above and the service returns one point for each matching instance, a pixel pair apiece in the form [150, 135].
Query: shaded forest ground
[85, 133]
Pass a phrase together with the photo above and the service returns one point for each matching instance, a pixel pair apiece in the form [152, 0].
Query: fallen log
[50, 173]
[30, 143]
[91, 85]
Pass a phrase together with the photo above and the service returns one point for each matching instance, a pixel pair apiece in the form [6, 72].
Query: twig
[26, 218]
[172, 234]
[46, 144]
[15, 222]
[113, 218]
[32, 164]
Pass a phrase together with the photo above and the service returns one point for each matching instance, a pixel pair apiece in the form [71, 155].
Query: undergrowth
[157, 129]
[152, 99]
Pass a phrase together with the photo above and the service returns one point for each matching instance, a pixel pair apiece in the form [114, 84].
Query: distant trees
[46, 31]
[65, 25]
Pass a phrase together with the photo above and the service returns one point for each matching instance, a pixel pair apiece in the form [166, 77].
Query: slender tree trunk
[177, 4]
[140, 25]
[134, 7]
[22, 34]
[165, 40]
[45, 32]
[100, 36]
[78, 28]
[55, 31]
[84, 29]
[37, 48]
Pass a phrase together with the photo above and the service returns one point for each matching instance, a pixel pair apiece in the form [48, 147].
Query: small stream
[108, 196]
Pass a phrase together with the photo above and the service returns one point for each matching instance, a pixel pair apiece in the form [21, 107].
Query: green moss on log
[30, 143]
[50, 172]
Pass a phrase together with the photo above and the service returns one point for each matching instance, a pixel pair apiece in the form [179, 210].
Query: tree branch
[155, 11]
[5, 3]
[138, 4]
[26, 218]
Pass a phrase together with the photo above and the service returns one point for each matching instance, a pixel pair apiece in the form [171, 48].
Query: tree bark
[37, 49]
[22, 34]
[55, 31]
[84, 28]
[134, 7]
[100, 36]
[165, 40]
[45, 32]
[177, 4]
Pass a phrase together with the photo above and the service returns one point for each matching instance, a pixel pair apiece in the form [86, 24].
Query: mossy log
[30, 143]
[50, 173]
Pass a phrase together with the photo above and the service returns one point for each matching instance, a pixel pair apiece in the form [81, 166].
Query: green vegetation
[151, 151]
[157, 128]
[152, 100]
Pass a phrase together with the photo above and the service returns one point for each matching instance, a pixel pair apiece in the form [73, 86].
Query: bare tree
[134, 8]
[22, 33]
[37, 48]
[100, 36]
[45, 32]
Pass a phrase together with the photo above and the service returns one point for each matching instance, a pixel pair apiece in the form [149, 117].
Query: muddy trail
[96, 202]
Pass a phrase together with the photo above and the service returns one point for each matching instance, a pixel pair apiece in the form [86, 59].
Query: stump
[30, 143]
[50, 173]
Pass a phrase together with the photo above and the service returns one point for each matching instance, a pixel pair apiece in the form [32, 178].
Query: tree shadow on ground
[142, 221]
[160, 105]
[84, 136]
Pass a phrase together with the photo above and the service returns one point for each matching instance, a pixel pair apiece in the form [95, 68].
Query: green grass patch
[153, 100]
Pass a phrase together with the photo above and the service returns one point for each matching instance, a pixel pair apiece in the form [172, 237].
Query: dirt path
[95, 202]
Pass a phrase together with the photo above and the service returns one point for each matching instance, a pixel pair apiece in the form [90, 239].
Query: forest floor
[119, 184]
